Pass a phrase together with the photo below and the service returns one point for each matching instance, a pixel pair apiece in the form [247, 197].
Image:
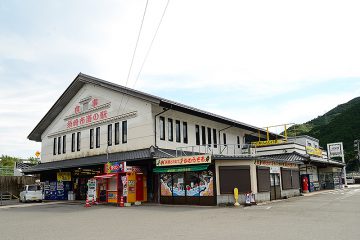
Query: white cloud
[256, 49]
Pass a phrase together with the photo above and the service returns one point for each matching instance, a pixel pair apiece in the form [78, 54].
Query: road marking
[268, 208]
[29, 205]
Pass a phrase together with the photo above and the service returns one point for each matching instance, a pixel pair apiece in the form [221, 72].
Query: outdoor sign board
[115, 167]
[275, 164]
[185, 160]
[313, 151]
[335, 149]
[267, 143]
[63, 176]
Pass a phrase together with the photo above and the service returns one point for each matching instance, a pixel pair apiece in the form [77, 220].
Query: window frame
[97, 137]
[109, 136]
[73, 142]
[64, 144]
[117, 133]
[177, 131]
[170, 130]
[185, 133]
[78, 141]
[59, 145]
[124, 131]
[91, 138]
[162, 127]
[215, 138]
[197, 134]
[203, 135]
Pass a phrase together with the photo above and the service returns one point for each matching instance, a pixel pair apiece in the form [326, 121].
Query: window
[109, 135]
[197, 134]
[124, 132]
[73, 142]
[238, 141]
[91, 138]
[203, 135]
[215, 138]
[162, 128]
[64, 144]
[234, 177]
[54, 147]
[295, 179]
[78, 141]
[263, 179]
[170, 129]
[185, 132]
[177, 131]
[209, 135]
[59, 145]
[117, 133]
[97, 137]
[224, 139]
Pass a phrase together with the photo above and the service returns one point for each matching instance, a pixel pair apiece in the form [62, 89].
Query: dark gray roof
[91, 161]
[83, 79]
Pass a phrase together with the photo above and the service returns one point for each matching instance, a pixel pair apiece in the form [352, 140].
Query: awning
[106, 175]
[181, 168]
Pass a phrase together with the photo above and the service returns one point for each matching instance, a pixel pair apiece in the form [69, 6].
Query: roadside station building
[184, 155]
[318, 171]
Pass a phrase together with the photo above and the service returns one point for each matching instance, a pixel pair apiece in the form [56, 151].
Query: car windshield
[32, 188]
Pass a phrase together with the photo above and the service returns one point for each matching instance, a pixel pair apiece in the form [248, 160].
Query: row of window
[171, 130]
[210, 139]
[60, 142]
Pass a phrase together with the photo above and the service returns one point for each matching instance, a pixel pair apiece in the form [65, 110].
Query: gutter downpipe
[164, 110]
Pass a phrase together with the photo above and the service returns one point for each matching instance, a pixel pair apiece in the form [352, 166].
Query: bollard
[236, 196]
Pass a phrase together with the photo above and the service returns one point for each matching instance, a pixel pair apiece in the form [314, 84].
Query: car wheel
[24, 200]
[20, 200]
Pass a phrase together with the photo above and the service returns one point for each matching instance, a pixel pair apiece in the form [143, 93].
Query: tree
[33, 160]
[8, 161]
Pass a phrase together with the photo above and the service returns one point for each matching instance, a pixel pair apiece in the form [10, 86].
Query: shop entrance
[275, 191]
[190, 187]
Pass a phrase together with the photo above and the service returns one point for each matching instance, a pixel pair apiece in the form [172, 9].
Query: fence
[13, 185]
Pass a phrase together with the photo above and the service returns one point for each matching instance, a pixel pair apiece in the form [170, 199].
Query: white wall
[231, 133]
[140, 125]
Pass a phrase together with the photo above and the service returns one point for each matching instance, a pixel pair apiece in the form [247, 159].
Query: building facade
[95, 122]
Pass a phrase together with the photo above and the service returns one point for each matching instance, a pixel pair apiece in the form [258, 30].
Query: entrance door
[275, 191]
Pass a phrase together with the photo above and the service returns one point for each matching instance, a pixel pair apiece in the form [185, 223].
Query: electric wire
[149, 49]
[135, 49]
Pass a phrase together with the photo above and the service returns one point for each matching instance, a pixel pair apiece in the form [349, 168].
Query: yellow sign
[37, 154]
[267, 143]
[64, 176]
[314, 151]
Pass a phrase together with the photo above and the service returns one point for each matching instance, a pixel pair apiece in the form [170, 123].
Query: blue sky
[259, 62]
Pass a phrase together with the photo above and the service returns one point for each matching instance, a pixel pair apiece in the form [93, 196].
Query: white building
[95, 122]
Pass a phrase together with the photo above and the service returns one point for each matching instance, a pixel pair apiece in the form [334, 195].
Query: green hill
[341, 124]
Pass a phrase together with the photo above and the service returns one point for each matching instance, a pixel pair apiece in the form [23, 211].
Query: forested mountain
[341, 124]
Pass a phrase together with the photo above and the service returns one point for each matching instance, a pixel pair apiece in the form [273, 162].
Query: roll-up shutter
[295, 179]
[231, 177]
[286, 178]
[263, 179]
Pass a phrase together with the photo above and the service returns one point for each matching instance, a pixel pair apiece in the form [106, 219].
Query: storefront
[267, 179]
[186, 180]
[121, 181]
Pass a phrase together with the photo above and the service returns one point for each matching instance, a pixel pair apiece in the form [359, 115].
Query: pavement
[325, 215]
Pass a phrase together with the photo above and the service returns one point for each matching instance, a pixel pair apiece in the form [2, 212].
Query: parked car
[31, 193]
[350, 180]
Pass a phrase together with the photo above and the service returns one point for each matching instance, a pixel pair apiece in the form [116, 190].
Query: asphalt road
[327, 215]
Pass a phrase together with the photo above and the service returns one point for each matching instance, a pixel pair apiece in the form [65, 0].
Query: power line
[149, 49]
[134, 53]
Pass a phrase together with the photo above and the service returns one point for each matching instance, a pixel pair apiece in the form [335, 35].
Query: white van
[31, 193]
[350, 180]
